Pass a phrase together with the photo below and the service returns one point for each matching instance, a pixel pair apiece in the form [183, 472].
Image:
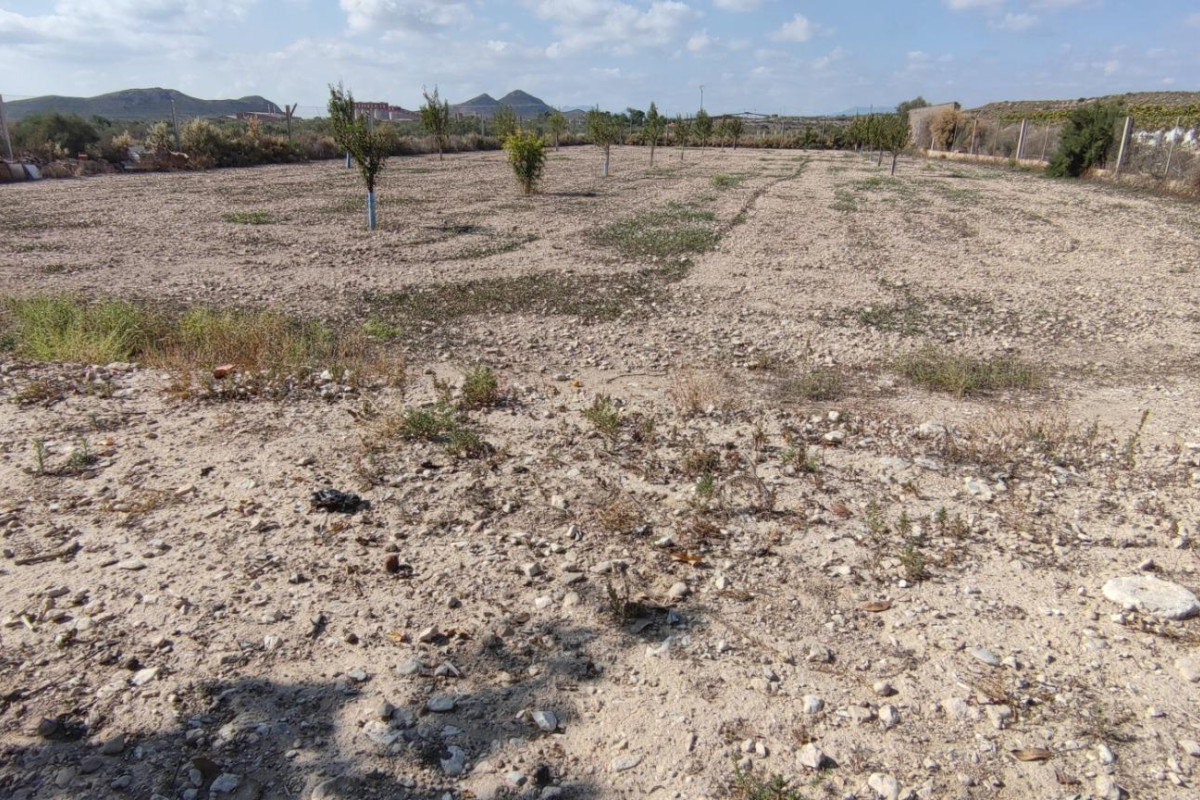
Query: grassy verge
[962, 375]
[262, 343]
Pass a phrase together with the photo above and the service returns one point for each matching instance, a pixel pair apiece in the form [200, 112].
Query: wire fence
[1158, 147]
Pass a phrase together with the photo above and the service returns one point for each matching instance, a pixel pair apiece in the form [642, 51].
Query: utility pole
[4, 131]
[289, 111]
[175, 125]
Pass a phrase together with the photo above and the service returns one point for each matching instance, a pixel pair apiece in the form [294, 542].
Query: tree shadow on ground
[340, 738]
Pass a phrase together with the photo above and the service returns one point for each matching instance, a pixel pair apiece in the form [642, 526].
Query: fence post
[4, 131]
[1045, 142]
[175, 125]
[1166, 172]
[1021, 139]
[1126, 134]
[974, 131]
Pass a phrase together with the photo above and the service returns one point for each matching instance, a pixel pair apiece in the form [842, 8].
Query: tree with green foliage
[637, 117]
[505, 122]
[603, 129]
[909, 105]
[354, 134]
[527, 157]
[729, 131]
[894, 135]
[683, 133]
[656, 125]
[435, 117]
[53, 136]
[1086, 139]
[702, 128]
[557, 123]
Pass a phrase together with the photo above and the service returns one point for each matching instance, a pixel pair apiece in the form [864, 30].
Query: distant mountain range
[526, 105]
[138, 104]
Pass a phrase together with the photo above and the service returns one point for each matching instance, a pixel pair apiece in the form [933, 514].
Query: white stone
[885, 786]
[1151, 595]
[812, 757]
[813, 704]
[1189, 668]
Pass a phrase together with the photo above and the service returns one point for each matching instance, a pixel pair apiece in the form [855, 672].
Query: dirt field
[727, 522]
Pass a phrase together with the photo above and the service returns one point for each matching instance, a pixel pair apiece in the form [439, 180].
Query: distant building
[385, 111]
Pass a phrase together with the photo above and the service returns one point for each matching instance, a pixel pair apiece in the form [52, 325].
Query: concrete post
[8, 153]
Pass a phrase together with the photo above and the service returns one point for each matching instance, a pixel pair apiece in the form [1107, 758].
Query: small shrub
[427, 424]
[1085, 141]
[725, 181]
[604, 416]
[466, 443]
[527, 157]
[705, 491]
[962, 375]
[914, 564]
[481, 388]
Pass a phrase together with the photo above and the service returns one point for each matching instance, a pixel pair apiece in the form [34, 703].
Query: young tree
[702, 128]
[159, 138]
[735, 127]
[894, 135]
[557, 124]
[527, 157]
[367, 147]
[683, 132]
[506, 123]
[435, 116]
[656, 124]
[603, 130]
[909, 105]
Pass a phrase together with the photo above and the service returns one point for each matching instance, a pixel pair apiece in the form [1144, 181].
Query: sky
[767, 56]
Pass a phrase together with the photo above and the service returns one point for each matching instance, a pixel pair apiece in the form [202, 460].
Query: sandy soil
[177, 620]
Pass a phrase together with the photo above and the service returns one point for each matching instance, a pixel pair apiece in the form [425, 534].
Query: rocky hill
[138, 104]
[525, 104]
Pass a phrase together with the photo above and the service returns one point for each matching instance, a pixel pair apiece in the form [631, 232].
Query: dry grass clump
[695, 392]
[961, 375]
[816, 385]
[71, 329]
[618, 514]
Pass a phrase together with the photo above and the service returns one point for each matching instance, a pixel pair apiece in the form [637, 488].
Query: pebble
[225, 783]
[812, 757]
[883, 689]
[545, 720]
[1189, 668]
[885, 786]
[625, 763]
[441, 704]
[131, 564]
[1151, 595]
[1105, 755]
[455, 763]
[985, 655]
[1191, 747]
[113, 746]
[532, 570]
[813, 704]
[999, 716]
[144, 676]
[91, 764]
[678, 591]
[889, 716]
[977, 488]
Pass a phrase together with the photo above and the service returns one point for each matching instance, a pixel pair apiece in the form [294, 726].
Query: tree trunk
[652, 154]
[894, 157]
[879, 161]
[606, 152]
[371, 210]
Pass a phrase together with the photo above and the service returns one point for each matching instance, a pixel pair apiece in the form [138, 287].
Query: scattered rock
[545, 720]
[625, 763]
[813, 704]
[812, 757]
[885, 786]
[225, 783]
[113, 746]
[678, 591]
[1151, 595]
[455, 762]
[1189, 668]
[985, 655]
[441, 704]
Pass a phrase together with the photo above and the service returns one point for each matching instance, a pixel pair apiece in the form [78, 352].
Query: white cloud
[395, 16]
[699, 42]
[611, 26]
[799, 29]
[737, 5]
[1016, 22]
[1193, 20]
[826, 61]
[964, 5]
[1112, 67]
